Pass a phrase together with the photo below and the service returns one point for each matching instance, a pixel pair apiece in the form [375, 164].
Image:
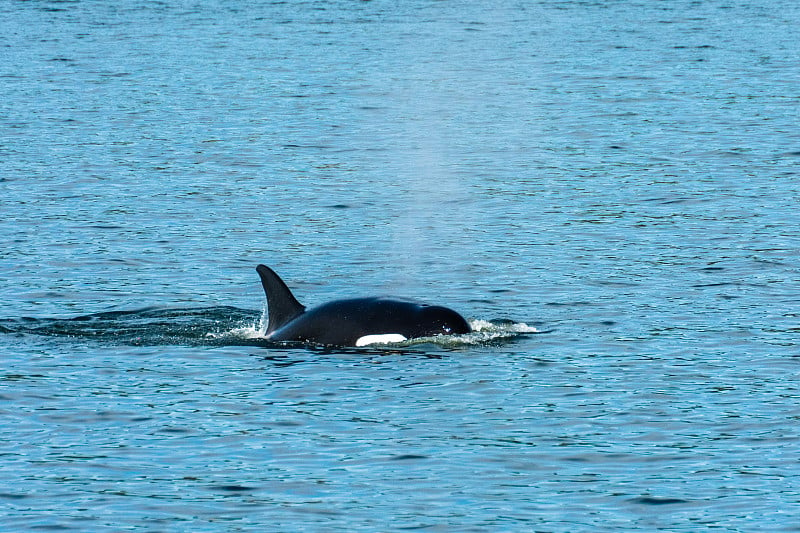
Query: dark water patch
[232, 488]
[652, 500]
[729, 284]
[615, 283]
[305, 146]
[13, 496]
[105, 226]
[80, 458]
[21, 377]
[280, 361]
[176, 431]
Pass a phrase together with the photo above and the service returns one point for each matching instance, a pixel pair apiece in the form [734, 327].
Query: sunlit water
[607, 190]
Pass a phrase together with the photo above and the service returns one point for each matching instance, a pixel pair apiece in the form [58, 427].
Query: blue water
[620, 176]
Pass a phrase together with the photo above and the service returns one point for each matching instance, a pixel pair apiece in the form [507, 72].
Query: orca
[354, 322]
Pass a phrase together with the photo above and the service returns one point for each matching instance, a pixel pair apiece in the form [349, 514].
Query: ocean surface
[608, 190]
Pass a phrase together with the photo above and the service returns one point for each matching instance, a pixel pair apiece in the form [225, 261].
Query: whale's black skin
[344, 322]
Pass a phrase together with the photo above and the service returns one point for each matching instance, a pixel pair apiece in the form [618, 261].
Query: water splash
[484, 332]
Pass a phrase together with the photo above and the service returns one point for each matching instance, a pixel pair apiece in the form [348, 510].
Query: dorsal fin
[281, 303]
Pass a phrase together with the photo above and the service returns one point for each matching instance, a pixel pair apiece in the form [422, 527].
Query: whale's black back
[343, 322]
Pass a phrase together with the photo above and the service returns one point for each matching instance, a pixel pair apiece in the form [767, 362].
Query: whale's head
[437, 320]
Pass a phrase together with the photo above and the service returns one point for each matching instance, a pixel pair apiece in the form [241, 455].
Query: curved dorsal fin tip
[282, 306]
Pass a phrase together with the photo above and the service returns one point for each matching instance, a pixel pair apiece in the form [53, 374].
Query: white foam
[486, 326]
[380, 339]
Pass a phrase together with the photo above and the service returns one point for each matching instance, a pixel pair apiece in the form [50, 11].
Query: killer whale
[353, 322]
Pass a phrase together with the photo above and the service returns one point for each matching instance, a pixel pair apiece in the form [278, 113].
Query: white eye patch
[379, 339]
